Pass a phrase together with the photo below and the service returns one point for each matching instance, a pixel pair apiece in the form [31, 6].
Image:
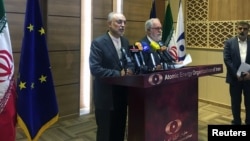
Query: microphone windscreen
[145, 47]
[154, 45]
[133, 48]
[139, 45]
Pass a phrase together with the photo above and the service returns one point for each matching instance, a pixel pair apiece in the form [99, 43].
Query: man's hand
[158, 67]
[129, 72]
[240, 78]
[126, 72]
[246, 75]
[122, 72]
[163, 48]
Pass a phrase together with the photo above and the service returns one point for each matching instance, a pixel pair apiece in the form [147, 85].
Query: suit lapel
[112, 49]
[111, 46]
[236, 47]
[248, 51]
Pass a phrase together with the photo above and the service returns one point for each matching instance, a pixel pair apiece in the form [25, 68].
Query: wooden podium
[163, 106]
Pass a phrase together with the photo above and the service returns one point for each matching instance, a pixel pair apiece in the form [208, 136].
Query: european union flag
[36, 104]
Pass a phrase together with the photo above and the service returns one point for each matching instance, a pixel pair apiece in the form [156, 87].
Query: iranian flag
[168, 33]
[7, 88]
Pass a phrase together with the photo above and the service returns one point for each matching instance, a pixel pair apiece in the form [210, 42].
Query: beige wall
[208, 25]
[211, 88]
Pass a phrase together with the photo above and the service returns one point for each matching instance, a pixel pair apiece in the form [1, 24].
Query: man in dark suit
[107, 60]
[153, 29]
[237, 51]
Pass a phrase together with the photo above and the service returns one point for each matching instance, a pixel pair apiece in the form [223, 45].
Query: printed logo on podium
[155, 79]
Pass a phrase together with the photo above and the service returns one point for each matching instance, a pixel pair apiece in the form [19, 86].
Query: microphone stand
[167, 62]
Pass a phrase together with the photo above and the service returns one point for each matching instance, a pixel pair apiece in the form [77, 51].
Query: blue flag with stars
[153, 10]
[37, 107]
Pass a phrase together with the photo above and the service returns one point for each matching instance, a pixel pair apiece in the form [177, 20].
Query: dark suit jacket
[232, 58]
[104, 62]
[147, 58]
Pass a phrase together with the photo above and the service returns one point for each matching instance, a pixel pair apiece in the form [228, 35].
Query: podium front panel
[164, 112]
[163, 105]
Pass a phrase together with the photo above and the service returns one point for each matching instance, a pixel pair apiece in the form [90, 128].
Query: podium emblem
[155, 79]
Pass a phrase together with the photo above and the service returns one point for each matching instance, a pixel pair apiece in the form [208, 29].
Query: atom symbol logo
[155, 79]
[173, 126]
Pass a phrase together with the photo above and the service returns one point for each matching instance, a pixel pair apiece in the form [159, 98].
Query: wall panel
[99, 27]
[137, 12]
[135, 31]
[134, 11]
[68, 99]
[64, 8]
[65, 67]
[16, 28]
[63, 28]
[63, 33]
[101, 8]
[16, 6]
[225, 10]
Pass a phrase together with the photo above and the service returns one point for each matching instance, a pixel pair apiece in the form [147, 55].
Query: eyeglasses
[120, 22]
[156, 28]
[245, 28]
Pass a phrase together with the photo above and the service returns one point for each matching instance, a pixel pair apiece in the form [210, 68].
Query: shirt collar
[113, 38]
[241, 41]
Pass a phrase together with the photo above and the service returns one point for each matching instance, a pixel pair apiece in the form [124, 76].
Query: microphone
[163, 51]
[166, 52]
[166, 59]
[155, 46]
[163, 47]
[139, 46]
[134, 51]
[161, 43]
[146, 48]
[124, 53]
[128, 62]
[138, 58]
[153, 59]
